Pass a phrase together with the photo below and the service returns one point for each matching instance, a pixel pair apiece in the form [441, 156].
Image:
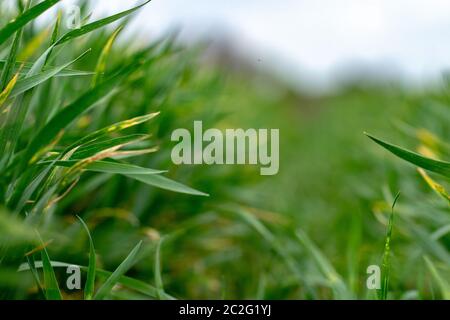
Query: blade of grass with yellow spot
[439, 189]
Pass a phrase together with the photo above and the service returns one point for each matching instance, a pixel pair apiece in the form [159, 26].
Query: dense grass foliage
[86, 177]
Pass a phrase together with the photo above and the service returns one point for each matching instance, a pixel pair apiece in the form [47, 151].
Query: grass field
[86, 117]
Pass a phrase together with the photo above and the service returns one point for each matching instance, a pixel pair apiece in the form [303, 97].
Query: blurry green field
[67, 149]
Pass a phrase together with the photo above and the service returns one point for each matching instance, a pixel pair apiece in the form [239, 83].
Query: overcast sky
[316, 38]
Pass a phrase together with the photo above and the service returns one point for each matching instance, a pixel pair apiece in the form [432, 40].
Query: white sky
[315, 38]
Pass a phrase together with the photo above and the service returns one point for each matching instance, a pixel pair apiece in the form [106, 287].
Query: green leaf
[90, 281]
[51, 286]
[28, 83]
[129, 261]
[128, 282]
[4, 95]
[35, 274]
[386, 264]
[7, 70]
[25, 18]
[436, 166]
[444, 286]
[101, 63]
[158, 276]
[267, 235]
[122, 125]
[23, 68]
[166, 183]
[73, 34]
[97, 24]
[325, 266]
[68, 114]
[55, 33]
[145, 175]
[90, 149]
[109, 167]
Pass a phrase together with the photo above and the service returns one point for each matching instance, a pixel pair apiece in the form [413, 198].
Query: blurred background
[323, 72]
[315, 44]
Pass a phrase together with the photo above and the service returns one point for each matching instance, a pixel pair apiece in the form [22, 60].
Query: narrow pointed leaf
[166, 183]
[26, 84]
[51, 286]
[443, 284]
[111, 167]
[101, 63]
[436, 166]
[97, 24]
[25, 18]
[67, 115]
[129, 261]
[90, 280]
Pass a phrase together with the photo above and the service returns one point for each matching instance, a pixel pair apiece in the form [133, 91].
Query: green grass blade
[166, 183]
[129, 261]
[386, 264]
[32, 186]
[436, 187]
[145, 175]
[51, 286]
[158, 277]
[101, 64]
[22, 68]
[444, 286]
[110, 167]
[90, 149]
[436, 166]
[128, 282]
[119, 126]
[4, 95]
[97, 24]
[335, 280]
[35, 274]
[28, 83]
[73, 34]
[67, 115]
[90, 280]
[24, 18]
[55, 33]
[428, 243]
[8, 68]
[15, 118]
[267, 235]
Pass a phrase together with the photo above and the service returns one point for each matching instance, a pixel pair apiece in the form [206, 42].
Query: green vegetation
[87, 180]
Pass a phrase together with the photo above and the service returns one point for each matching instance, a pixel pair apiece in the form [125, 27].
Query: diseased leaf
[101, 63]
